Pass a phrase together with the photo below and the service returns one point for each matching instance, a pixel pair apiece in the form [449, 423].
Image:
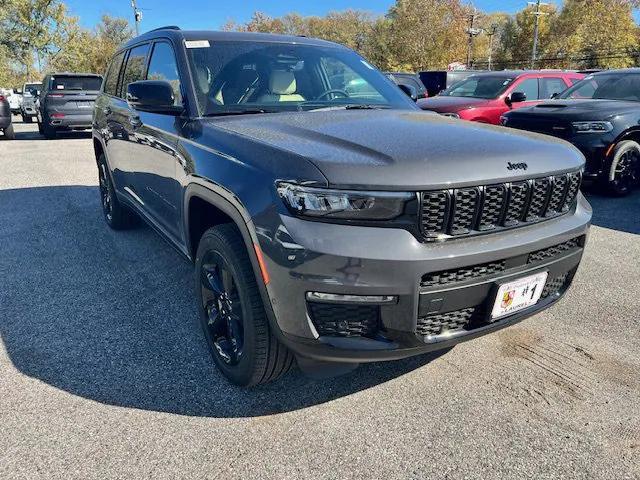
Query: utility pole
[491, 32]
[472, 32]
[137, 15]
[537, 13]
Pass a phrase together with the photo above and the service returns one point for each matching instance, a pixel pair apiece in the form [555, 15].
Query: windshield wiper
[247, 111]
[351, 106]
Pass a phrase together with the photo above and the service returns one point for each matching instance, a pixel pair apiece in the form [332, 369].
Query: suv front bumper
[304, 256]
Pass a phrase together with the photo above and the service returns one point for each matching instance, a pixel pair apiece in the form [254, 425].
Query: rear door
[122, 147]
[550, 86]
[72, 96]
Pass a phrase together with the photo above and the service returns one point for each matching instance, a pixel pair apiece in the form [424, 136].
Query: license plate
[519, 294]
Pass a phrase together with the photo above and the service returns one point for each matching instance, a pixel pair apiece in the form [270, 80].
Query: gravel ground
[104, 371]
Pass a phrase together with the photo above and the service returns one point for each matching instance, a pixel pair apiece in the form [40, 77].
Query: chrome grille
[473, 210]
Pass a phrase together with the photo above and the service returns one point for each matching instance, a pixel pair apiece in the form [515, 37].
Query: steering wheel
[332, 90]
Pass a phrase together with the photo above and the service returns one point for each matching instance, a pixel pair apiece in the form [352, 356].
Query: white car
[15, 101]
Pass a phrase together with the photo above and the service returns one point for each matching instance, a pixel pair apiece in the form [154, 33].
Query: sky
[211, 14]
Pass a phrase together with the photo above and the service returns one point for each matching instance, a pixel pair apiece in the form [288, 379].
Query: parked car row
[598, 113]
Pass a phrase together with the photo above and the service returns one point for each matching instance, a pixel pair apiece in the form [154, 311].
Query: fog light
[339, 298]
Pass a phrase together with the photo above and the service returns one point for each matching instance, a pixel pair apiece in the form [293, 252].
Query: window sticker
[196, 43]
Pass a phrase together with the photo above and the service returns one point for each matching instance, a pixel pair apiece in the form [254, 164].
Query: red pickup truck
[483, 97]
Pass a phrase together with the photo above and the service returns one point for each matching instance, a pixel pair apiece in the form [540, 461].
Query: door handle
[107, 111]
[135, 121]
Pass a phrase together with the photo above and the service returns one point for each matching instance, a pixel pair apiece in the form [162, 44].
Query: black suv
[601, 116]
[329, 219]
[66, 102]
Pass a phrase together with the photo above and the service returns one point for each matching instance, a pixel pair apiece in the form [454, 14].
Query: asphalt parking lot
[104, 371]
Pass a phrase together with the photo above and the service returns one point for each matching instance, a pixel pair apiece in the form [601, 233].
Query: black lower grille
[442, 322]
[551, 252]
[555, 285]
[341, 320]
[447, 277]
[483, 270]
[473, 210]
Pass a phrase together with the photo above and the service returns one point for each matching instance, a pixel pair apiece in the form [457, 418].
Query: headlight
[450, 114]
[343, 204]
[592, 127]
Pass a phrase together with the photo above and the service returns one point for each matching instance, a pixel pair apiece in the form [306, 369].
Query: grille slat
[473, 210]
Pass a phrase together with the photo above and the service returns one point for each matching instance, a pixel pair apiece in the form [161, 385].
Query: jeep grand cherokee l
[328, 224]
[66, 102]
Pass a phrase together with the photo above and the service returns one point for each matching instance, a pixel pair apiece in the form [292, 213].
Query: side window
[111, 80]
[529, 87]
[162, 66]
[551, 85]
[134, 70]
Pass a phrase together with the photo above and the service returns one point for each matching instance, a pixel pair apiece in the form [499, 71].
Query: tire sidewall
[241, 373]
[614, 186]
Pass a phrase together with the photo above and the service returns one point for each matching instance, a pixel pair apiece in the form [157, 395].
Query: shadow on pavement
[621, 214]
[111, 316]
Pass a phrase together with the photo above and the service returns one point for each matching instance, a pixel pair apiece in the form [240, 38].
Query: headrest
[202, 78]
[282, 83]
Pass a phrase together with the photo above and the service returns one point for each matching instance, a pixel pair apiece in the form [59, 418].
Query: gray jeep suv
[330, 220]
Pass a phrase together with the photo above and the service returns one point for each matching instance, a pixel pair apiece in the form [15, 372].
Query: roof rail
[168, 27]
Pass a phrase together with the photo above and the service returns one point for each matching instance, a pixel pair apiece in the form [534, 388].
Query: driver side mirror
[555, 94]
[516, 97]
[154, 96]
[409, 90]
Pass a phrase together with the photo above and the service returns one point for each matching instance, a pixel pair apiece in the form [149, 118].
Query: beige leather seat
[282, 88]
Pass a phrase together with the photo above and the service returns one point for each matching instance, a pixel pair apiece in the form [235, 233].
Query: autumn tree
[594, 34]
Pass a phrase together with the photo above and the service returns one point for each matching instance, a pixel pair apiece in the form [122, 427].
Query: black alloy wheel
[232, 314]
[220, 301]
[105, 193]
[117, 216]
[626, 171]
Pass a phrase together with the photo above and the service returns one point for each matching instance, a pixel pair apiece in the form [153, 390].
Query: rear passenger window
[529, 87]
[134, 70]
[549, 86]
[162, 66]
[111, 81]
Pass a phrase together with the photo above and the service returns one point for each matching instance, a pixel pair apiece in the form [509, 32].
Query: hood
[445, 104]
[401, 149]
[586, 109]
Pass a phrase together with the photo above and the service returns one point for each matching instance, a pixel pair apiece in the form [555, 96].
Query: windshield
[252, 77]
[76, 83]
[32, 88]
[478, 87]
[611, 86]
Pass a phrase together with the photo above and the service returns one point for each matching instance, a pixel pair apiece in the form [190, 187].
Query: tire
[117, 216]
[624, 169]
[49, 132]
[9, 133]
[252, 355]
[40, 129]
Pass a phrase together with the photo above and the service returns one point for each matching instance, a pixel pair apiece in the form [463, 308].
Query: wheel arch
[227, 209]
